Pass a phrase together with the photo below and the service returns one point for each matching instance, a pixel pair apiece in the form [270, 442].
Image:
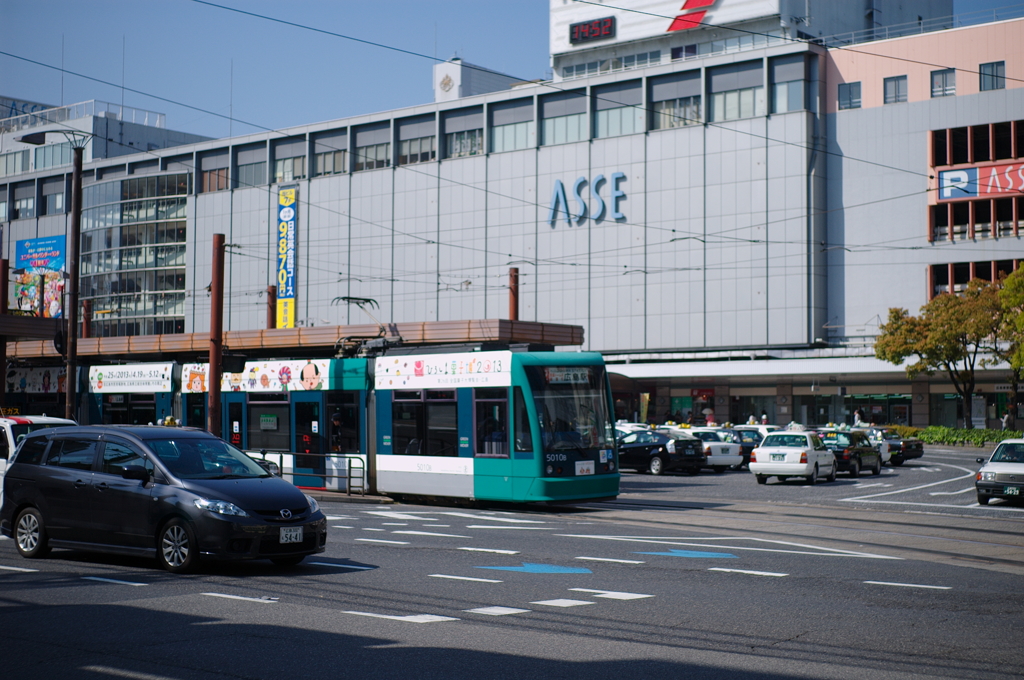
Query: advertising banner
[991, 180]
[287, 219]
[39, 286]
[36, 380]
[430, 371]
[133, 378]
[299, 375]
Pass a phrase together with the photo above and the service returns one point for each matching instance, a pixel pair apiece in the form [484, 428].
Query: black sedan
[853, 451]
[901, 449]
[170, 493]
[654, 452]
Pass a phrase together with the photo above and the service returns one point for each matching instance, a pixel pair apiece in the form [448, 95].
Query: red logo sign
[690, 18]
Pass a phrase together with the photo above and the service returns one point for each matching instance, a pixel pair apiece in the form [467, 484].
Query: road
[706, 577]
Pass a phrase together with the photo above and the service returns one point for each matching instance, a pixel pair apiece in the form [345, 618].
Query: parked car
[793, 454]
[722, 453]
[764, 430]
[749, 440]
[1002, 475]
[658, 452]
[901, 449]
[169, 493]
[14, 428]
[853, 451]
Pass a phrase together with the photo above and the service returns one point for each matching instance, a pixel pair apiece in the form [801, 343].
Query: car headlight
[987, 476]
[313, 505]
[220, 507]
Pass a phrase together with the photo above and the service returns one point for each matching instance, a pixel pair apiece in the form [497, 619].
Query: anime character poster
[39, 276]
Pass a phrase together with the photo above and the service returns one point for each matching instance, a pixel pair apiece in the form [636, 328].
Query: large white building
[727, 196]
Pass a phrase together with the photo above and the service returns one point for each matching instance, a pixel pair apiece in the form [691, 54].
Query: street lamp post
[77, 139]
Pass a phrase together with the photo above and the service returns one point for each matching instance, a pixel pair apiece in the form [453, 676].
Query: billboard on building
[287, 219]
[39, 276]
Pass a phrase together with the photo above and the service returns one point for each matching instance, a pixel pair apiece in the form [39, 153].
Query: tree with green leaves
[1011, 298]
[955, 333]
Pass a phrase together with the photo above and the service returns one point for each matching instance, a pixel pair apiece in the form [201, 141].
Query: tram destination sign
[430, 371]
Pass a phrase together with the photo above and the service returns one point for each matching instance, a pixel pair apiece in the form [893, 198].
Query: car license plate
[291, 534]
[1011, 490]
[584, 467]
[778, 457]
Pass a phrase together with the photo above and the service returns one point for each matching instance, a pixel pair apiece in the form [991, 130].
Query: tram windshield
[572, 406]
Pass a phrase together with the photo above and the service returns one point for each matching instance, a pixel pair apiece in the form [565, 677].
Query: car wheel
[855, 468]
[832, 475]
[176, 548]
[877, 470]
[656, 466]
[983, 500]
[30, 534]
[290, 561]
[720, 468]
[762, 479]
[896, 461]
[812, 478]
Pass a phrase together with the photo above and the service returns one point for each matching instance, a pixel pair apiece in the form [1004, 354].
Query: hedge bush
[956, 436]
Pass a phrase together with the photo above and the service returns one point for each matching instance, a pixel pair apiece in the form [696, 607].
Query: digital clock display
[586, 31]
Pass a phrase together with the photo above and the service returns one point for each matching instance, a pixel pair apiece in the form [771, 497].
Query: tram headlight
[550, 470]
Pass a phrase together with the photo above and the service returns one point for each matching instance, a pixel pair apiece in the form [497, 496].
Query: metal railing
[61, 114]
[928, 26]
[338, 471]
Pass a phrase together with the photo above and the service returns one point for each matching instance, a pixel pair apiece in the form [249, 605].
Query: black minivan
[177, 494]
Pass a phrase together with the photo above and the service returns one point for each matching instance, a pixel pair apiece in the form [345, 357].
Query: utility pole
[513, 294]
[213, 419]
[71, 332]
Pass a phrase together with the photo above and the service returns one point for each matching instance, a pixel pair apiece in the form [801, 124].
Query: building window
[53, 155]
[419, 150]
[14, 163]
[214, 180]
[565, 129]
[745, 103]
[511, 137]
[24, 208]
[289, 169]
[944, 83]
[373, 156]
[3, 211]
[895, 89]
[54, 204]
[993, 76]
[641, 60]
[624, 120]
[849, 96]
[684, 52]
[465, 143]
[251, 175]
[330, 163]
[677, 113]
[787, 96]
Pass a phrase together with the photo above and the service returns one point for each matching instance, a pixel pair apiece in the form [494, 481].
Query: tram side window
[491, 409]
[344, 410]
[523, 432]
[425, 423]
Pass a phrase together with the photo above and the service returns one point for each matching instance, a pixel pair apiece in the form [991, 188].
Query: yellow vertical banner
[287, 218]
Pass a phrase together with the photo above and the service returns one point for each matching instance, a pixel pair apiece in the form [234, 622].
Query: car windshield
[195, 458]
[572, 407]
[727, 436]
[784, 440]
[1009, 453]
[707, 436]
[836, 438]
[20, 431]
[889, 434]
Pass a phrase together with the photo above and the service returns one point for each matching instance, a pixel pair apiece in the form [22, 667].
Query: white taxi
[719, 446]
[1002, 475]
[793, 454]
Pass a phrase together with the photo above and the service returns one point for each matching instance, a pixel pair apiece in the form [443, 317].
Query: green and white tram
[494, 425]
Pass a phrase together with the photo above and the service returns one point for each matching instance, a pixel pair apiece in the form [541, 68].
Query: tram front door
[308, 443]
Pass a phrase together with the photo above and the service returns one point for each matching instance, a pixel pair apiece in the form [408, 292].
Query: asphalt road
[675, 579]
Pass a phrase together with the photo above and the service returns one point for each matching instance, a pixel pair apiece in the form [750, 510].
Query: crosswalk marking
[611, 594]
[497, 611]
[563, 603]
[416, 618]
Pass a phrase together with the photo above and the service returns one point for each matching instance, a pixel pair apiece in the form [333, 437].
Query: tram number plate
[778, 457]
[291, 534]
[1011, 490]
[584, 467]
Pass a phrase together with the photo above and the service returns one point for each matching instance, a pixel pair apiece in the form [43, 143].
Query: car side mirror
[979, 460]
[135, 472]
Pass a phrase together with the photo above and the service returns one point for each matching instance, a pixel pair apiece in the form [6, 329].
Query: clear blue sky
[282, 75]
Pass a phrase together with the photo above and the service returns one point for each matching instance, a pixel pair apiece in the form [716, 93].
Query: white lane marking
[437, 525]
[491, 518]
[377, 540]
[970, 473]
[563, 603]
[21, 569]
[820, 550]
[338, 526]
[395, 524]
[466, 578]
[121, 673]
[261, 600]
[492, 550]
[484, 526]
[909, 585]
[392, 514]
[952, 493]
[497, 611]
[429, 533]
[611, 594]
[112, 580]
[335, 518]
[861, 485]
[339, 566]
[745, 571]
[416, 618]
[970, 506]
[609, 559]
[373, 529]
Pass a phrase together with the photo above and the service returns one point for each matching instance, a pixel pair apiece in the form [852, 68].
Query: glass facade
[511, 137]
[133, 255]
[676, 113]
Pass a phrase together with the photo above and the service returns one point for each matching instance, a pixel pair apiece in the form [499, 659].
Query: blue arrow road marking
[530, 568]
[688, 553]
